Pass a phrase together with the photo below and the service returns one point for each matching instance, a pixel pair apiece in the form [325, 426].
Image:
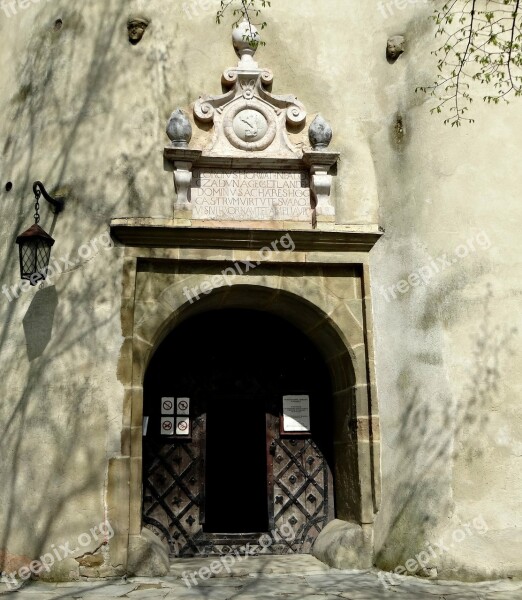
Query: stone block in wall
[343, 545]
[148, 555]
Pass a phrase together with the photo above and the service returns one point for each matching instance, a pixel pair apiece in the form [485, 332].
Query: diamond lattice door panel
[299, 493]
[303, 491]
[173, 490]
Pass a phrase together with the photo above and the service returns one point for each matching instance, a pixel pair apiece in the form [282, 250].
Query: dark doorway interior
[236, 499]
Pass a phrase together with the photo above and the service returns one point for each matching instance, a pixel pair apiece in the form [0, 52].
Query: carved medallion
[250, 125]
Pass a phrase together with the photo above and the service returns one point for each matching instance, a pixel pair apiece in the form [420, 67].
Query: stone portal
[253, 228]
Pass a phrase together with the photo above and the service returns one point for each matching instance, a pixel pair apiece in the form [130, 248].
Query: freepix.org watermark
[57, 266]
[423, 275]
[422, 561]
[388, 7]
[284, 244]
[285, 532]
[11, 7]
[194, 8]
[102, 533]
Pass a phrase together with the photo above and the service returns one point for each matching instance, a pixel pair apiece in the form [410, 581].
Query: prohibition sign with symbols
[183, 426]
[167, 426]
[182, 405]
[167, 406]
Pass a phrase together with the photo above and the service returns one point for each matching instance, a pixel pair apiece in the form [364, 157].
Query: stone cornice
[165, 233]
[198, 159]
[245, 161]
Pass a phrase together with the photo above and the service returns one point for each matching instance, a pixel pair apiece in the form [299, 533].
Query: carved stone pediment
[249, 170]
[248, 117]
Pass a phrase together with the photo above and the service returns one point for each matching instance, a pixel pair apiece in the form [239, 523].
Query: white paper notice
[296, 413]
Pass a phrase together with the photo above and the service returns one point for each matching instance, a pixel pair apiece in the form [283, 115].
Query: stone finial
[245, 38]
[179, 129]
[320, 133]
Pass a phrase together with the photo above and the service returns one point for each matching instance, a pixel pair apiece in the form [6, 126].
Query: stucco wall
[85, 112]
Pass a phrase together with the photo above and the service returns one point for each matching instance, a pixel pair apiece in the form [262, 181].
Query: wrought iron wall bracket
[57, 203]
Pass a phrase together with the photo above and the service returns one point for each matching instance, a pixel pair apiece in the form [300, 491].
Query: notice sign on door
[182, 426]
[167, 406]
[175, 416]
[296, 413]
[167, 426]
[183, 406]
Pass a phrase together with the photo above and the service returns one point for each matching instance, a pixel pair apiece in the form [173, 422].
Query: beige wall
[85, 111]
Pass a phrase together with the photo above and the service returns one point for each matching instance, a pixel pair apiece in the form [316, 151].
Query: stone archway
[233, 368]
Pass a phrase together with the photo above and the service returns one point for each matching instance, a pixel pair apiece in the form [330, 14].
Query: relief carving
[136, 28]
[248, 116]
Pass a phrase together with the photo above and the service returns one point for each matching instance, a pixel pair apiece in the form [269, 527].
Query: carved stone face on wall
[136, 28]
[395, 47]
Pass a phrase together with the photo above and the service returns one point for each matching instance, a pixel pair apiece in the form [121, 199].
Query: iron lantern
[35, 244]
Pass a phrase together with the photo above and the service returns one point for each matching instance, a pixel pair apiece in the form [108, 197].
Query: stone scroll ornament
[250, 128]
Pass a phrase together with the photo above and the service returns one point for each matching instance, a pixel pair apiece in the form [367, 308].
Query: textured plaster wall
[85, 111]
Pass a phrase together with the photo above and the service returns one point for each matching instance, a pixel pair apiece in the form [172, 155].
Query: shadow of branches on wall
[435, 429]
[60, 415]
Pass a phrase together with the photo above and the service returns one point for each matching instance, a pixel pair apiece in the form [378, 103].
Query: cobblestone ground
[301, 578]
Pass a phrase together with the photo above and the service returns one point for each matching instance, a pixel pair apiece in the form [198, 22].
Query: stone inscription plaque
[250, 195]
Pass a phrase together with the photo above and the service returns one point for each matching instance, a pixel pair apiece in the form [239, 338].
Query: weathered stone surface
[11, 562]
[255, 566]
[67, 569]
[148, 555]
[341, 545]
[352, 585]
[90, 560]
[470, 560]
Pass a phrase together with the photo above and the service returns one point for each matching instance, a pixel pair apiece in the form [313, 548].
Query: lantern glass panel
[34, 259]
[43, 255]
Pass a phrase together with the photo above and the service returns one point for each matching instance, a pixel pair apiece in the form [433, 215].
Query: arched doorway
[254, 400]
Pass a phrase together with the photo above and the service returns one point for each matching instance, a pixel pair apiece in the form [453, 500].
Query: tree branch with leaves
[247, 10]
[481, 43]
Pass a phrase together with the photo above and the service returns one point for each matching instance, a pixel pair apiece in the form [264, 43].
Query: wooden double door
[226, 474]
